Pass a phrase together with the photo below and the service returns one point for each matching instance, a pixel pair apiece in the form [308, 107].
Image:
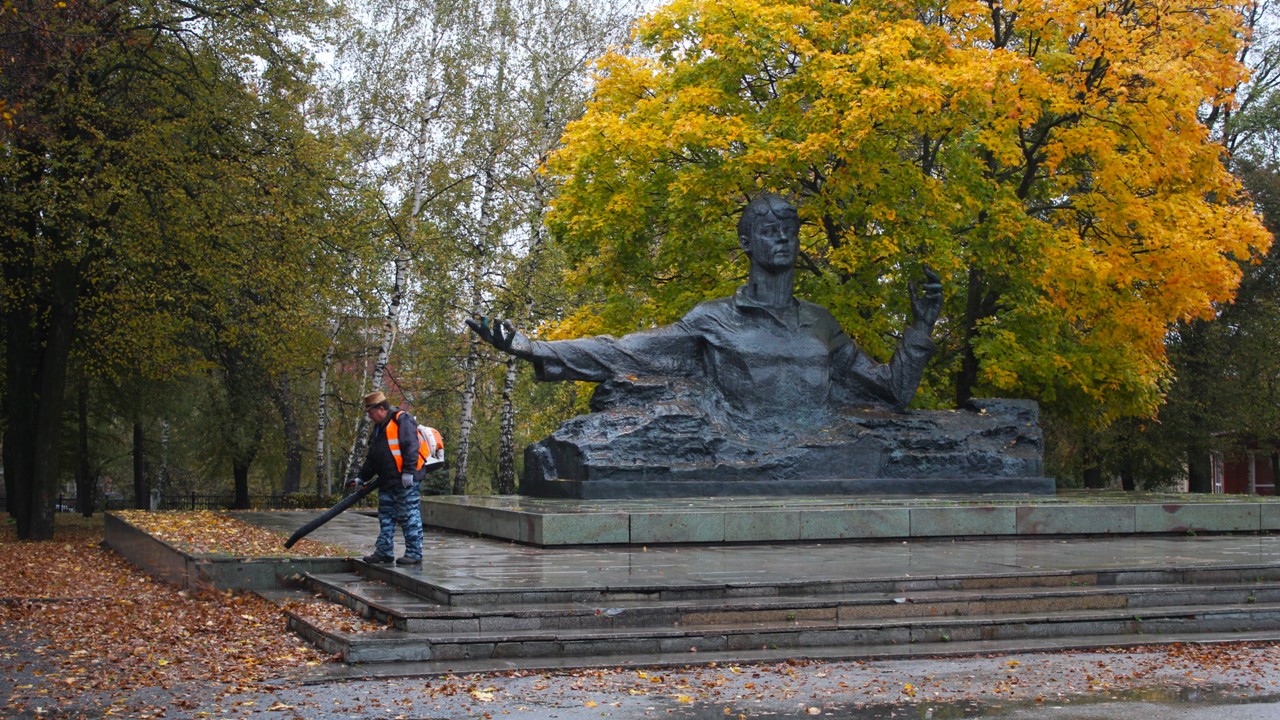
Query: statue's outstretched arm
[670, 349]
[502, 335]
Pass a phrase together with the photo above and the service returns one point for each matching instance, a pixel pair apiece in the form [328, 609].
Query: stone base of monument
[567, 522]
[671, 448]
[653, 466]
[659, 486]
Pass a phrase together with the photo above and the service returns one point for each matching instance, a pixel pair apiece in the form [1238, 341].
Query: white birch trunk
[467, 417]
[506, 440]
[390, 324]
[162, 479]
[399, 292]
[324, 477]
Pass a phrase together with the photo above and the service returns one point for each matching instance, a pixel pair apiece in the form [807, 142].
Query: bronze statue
[758, 393]
[762, 349]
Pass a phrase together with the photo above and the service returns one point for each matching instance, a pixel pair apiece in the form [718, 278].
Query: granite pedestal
[568, 522]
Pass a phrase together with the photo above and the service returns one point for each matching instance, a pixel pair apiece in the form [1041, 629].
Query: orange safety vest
[430, 444]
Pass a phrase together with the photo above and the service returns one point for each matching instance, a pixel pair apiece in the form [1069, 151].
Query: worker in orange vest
[395, 459]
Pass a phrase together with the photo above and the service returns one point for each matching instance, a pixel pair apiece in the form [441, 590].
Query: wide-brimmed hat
[374, 399]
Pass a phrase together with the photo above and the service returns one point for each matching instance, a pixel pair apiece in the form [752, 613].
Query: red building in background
[1252, 473]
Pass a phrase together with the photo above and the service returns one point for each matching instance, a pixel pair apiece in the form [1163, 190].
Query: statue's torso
[767, 361]
[784, 364]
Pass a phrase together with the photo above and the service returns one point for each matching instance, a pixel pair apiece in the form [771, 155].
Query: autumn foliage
[98, 630]
[1047, 157]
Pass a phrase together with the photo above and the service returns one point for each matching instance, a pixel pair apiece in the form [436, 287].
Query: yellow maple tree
[1045, 155]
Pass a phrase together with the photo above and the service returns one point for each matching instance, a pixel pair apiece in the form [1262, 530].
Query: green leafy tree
[115, 118]
[459, 102]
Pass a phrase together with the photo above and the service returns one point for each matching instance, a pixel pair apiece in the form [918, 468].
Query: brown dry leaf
[332, 617]
[204, 532]
[104, 626]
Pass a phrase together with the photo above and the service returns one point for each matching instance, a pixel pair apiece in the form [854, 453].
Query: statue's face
[774, 243]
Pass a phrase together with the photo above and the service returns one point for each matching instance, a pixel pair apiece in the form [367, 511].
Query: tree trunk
[1199, 470]
[466, 418]
[141, 483]
[292, 437]
[52, 388]
[39, 333]
[324, 481]
[349, 465]
[162, 473]
[978, 305]
[240, 475]
[471, 367]
[240, 464]
[22, 362]
[506, 442]
[86, 482]
[1093, 476]
[1126, 476]
[399, 291]
[507, 446]
[390, 328]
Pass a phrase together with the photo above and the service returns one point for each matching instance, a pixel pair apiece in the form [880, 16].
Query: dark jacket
[380, 461]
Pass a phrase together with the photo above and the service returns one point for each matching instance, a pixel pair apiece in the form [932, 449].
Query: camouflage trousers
[400, 506]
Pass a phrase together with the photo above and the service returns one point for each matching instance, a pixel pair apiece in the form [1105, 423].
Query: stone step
[1185, 622]
[420, 584]
[332, 672]
[405, 611]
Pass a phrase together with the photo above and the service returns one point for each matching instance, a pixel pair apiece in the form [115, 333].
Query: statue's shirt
[762, 360]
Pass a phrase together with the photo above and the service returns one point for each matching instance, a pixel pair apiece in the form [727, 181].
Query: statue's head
[769, 231]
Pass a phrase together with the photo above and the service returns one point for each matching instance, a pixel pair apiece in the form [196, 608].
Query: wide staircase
[431, 629]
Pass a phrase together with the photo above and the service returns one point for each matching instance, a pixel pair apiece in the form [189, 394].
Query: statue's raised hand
[502, 335]
[926, 306]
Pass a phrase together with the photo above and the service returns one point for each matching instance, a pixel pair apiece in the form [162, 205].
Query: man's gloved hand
[353, 483]
[406, 480]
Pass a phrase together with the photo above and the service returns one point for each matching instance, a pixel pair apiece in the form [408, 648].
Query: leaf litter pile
[202, 532]
[78, 620]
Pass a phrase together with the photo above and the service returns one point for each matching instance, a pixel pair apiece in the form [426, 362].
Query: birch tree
[536, 84]
[558, 41]
[459, 100]
[399, 76]
[324, 477]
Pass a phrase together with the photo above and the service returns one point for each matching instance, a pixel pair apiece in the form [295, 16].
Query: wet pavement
[1230, 683]
[458, 562]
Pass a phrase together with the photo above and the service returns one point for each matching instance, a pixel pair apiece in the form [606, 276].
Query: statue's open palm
[502, 335]
[926, 306]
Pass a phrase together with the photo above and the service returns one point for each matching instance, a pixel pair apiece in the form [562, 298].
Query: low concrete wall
[167, 563]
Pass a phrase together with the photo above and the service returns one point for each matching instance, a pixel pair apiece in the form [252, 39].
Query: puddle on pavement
[1193, 695]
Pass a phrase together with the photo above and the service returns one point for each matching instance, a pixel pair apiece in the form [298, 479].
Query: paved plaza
[458, 562]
